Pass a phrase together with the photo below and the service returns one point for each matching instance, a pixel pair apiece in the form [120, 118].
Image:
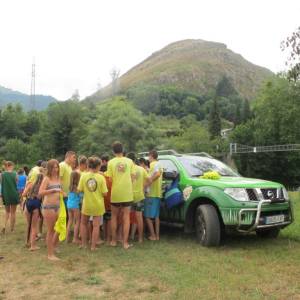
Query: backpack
[173, 196]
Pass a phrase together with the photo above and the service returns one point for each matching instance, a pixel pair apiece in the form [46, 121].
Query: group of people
[103, 198]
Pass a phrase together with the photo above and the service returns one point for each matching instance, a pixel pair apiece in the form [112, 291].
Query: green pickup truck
[212, 207]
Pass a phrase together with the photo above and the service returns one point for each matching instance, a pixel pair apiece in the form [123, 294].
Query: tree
[225, 88]
[246, 115]
[75, 96]
[276, 121]
[119, 120]
[214, 121]
[115, 85]
[237, 116]
[292, 45]
[63, 128]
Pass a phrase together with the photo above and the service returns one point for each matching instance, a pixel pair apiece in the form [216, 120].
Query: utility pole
[32, 88]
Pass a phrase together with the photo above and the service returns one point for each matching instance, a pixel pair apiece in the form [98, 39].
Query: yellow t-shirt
[93, 186]
[32, 176]
[120, 170]
[138, 183]
[156, 186]
[65, 175]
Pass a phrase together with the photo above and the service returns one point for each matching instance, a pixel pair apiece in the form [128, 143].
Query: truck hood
[241, 182]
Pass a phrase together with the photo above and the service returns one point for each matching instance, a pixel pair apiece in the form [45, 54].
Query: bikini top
[53, 186]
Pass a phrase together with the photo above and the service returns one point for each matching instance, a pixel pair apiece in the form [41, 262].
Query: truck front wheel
[207, 224]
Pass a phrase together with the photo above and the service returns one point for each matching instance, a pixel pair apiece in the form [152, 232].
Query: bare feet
[34, 248]
[53, 258]
[76, 242]
[127, 246]
[93, 249]
[99, 242]
[152, 238]
[140, 241]
[113, 244]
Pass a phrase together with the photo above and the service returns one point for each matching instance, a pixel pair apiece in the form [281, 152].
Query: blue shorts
[32, 204]
[73, 201]
[151, 208]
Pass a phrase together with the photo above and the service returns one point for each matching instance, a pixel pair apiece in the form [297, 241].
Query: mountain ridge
[10, 96]
[193, 65]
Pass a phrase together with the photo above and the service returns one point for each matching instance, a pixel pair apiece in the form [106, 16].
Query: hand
[56, 190]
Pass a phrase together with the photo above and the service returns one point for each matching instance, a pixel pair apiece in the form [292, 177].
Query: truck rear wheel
[271, 233]
[207, 224]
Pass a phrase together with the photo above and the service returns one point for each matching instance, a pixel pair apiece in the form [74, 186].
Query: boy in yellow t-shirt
[121, 171]
[152, 202]
[93, 186]
[139, 182]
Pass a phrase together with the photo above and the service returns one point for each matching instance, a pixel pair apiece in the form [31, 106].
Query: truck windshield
[197, 166]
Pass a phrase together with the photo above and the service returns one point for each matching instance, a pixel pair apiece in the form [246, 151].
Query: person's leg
[108, 231]
[140, 225]
[13, 209]
[83, 230]
[95, 233]
[114, 218]
[27, 216]
[6, 217]
[76, 226]
[126, 225]
[157, 224]
[70, 224]
[50, 220]
[152, 236]
[34, 229]
[41, 221]
[156, 214]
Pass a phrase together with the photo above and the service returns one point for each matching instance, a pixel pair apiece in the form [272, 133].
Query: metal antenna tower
[32, 89]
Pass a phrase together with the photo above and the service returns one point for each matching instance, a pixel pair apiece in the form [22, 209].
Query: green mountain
[8, 96]
[195, 66]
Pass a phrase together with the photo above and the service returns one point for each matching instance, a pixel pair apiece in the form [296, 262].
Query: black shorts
[122, 204]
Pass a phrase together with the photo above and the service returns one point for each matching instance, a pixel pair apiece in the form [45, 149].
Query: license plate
[275, 219]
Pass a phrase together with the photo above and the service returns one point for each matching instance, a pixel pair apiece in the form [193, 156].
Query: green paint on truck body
[197, 190]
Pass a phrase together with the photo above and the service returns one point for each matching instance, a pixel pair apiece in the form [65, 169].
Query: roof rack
[200, 154]
[173, 152]
[166, 152]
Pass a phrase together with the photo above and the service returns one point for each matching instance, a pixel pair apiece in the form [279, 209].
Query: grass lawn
[245, 267]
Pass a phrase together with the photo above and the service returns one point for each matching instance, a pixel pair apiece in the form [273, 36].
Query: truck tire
[207, 224]
[271, 233]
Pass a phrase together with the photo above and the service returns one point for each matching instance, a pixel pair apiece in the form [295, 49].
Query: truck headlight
[238, 194]
[285, 193]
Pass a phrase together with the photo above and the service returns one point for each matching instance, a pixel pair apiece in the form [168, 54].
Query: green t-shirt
[156, 186]
[120, 170]
[93, 186]
[65, 171]
[140, 175]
